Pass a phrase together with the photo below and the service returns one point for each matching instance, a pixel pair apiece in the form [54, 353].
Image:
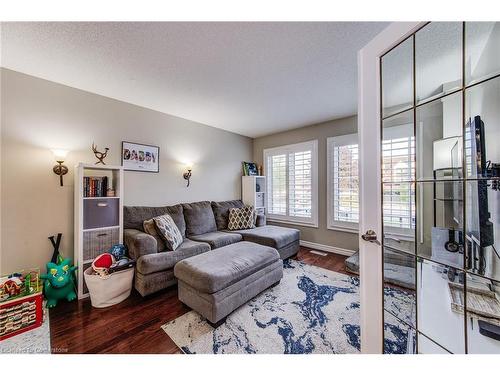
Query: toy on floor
[118, 251]
[112, 261]
[19, 284]
[56, 255]
[102, 264]
[59, 283]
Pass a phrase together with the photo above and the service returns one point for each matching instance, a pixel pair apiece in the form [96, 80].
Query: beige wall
[38, 115]
[321, 132]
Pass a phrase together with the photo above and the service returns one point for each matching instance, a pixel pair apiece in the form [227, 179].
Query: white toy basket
[111, 290]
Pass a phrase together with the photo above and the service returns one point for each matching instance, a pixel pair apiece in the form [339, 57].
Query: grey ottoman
[218, 282]
[285, 240]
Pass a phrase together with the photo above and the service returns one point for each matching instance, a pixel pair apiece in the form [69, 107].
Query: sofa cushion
[221, 212]
[241, 218]
[164, 261]
[218, 239]
[149, 227]
[270, 235]
[134, 216]
[199, 218]
[216, 270]
[168, 231]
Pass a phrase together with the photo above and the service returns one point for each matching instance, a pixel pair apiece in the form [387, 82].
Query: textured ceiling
[248, 78]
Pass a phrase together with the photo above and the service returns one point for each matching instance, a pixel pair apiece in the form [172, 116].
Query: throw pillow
[167, 229]
[150, 228]
[241, 218]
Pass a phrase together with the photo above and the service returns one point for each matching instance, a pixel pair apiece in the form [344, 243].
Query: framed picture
[139, 157]
[250, 169]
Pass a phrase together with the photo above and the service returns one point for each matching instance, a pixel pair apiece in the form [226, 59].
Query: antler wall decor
[100, 155]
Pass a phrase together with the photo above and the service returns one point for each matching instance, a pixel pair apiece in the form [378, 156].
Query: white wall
[38, 115]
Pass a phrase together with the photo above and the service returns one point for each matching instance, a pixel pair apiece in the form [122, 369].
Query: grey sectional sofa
[203, 226]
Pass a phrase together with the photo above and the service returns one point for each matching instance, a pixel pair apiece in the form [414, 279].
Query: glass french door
[439, 190]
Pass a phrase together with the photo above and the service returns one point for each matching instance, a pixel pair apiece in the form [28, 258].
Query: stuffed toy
[59, 283]
[118, 251]
[102, 264]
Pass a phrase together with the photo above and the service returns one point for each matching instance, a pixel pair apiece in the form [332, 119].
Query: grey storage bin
[99, 213]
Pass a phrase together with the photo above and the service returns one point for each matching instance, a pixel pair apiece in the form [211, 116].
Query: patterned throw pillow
[150, 228]
[167, 230]
[241, 218]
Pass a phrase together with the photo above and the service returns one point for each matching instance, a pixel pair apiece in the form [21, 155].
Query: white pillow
[167, 230]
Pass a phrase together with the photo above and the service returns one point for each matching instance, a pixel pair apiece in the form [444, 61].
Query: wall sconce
[60, 169]
[187, 175]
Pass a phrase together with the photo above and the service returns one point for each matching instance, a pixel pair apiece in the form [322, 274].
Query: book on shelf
[95, 186]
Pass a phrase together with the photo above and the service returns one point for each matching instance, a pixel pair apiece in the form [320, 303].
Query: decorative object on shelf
[259, 170]
[110, 193]
[187, 175]
[100, 155]
[250, 169]
[59, 283]
[60, 169]
[140, 157]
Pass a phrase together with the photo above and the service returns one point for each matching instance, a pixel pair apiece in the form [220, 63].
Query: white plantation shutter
[292, 183]
[276, 165]
[300, 184]
[398, 164]
[343, 182]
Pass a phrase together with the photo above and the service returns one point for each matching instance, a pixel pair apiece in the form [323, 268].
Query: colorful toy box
[20, 303]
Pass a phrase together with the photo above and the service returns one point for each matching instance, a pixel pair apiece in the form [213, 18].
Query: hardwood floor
[133, 326]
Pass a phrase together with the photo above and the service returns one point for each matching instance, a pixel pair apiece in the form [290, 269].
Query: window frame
[401, 131]
[288, 149]
[345, 226]
[331, 143]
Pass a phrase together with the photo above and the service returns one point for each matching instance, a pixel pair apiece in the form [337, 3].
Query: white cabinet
[98, 217]
[253, 192]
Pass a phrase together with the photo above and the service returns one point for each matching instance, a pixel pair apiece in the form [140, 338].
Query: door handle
[370, 236]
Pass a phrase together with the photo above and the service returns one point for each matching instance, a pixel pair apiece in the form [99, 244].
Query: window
[398, 164]
[292, 193]
[343, 182]
[398, 158]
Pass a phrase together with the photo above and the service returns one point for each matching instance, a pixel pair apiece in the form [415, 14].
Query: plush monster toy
[59, 283]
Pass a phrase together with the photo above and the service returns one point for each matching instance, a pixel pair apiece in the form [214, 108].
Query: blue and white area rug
[312, 310]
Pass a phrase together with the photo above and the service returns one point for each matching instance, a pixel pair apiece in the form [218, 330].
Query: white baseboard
[330, 249]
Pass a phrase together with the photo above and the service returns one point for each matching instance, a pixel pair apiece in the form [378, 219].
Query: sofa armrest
[168, 259]
[260, 220]
[139, 243]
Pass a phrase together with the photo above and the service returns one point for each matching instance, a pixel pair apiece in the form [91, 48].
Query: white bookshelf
[253, 192]
[98, 220]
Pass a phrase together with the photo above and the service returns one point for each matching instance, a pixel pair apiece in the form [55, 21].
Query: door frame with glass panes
[370, 220]
[427, 280]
